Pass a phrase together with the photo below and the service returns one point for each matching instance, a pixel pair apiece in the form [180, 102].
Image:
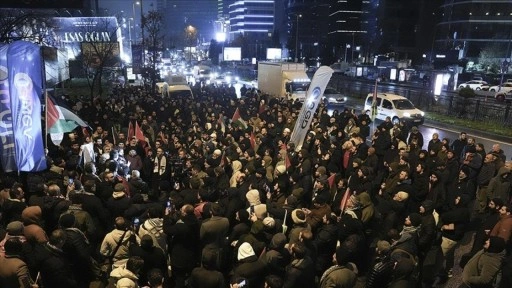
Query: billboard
[274, 54]
[50, 4]
[232, 54]
[101, 53]
[70, 32]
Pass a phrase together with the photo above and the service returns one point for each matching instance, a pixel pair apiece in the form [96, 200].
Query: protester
[245, 205]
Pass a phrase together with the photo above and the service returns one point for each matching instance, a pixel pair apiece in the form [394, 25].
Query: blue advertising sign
[6, 133]
[24, 64]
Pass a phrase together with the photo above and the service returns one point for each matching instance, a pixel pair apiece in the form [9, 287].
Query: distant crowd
[166, 192]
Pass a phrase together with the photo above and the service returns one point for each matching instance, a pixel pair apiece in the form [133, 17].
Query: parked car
[475, 85]
[396, 107]
[333, 97]
[505, 87]
[503, 96]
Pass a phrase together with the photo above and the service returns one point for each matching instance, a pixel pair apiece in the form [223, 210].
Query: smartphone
[169, 203]
[70, 181]
[241, 284]
[136, 221]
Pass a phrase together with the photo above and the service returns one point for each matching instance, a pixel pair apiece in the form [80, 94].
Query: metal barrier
[479, 108]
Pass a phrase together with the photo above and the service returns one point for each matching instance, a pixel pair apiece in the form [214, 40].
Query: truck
[282, 79]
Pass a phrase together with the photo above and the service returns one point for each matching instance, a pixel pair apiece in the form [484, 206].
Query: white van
[180, 91]
[396, 107]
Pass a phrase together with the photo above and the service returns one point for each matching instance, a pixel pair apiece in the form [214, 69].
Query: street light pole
[346, 47]
[297, 16]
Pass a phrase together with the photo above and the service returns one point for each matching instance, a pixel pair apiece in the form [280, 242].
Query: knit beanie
[253, 196]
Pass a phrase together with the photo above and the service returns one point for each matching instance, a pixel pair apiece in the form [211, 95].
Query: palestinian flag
[60, 120]
[237, 120]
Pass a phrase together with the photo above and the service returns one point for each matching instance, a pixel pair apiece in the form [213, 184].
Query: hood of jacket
[122, 272]
[31, 215]
[236, 165]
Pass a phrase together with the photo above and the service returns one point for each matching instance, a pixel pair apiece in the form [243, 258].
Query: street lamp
[133, 15]
[346, 47]
[297, 16]
[190, 33]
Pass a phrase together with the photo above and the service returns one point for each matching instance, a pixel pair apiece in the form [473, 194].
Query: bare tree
[153, 25]
[99, 52]
[29, 25]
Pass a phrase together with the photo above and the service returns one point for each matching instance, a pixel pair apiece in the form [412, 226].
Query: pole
[297, 16]
[346, 47]
[142, 33]
[352, 50]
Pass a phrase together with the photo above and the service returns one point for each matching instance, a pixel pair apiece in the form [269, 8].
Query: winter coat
[252, 269]
[110, 242]
[503, 228]
[205, 278]
[482, 268]
[183, 241]
[300, 273]
[154, 228]
[499, 187]
[32, 230]
[338, 277]
[14, 272]
[54, 266]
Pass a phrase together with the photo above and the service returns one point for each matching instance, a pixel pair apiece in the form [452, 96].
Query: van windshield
[181, 94]
[403, 104]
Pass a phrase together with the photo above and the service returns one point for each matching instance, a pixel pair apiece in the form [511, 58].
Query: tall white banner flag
[313, 97]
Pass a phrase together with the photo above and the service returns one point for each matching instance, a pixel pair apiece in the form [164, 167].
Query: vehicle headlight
[406, 114]
[331, 99]
[422, 113]
[207, 82]
[228, 78]
[237, 78]
[344, 98]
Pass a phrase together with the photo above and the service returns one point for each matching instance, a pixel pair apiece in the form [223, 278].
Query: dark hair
[134, 264]
[274, 281]
[13, 246]
[299, 249]
[209, 259]
[155, 277]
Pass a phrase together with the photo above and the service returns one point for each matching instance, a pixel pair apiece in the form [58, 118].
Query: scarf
[160, 165]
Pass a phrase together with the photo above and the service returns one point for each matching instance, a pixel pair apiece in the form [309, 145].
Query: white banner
[313, 97]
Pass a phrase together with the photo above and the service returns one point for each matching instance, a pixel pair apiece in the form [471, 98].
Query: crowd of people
[189, 198]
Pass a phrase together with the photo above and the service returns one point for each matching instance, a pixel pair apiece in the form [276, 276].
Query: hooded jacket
[482, 268]
[32, 230]
[237, 169]
[499, 186]
[125, 278]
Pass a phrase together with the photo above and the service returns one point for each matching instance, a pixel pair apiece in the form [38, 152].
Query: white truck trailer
[282, 79]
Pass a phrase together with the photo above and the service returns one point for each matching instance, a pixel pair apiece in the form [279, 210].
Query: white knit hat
[244, 251]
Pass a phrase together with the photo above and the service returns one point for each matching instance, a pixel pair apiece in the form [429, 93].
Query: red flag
[131, 131]
[331, 180]
[223, 159]
[86, 132]
[263, 107]
[344, 200]
[253, 140]
[138, 132]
